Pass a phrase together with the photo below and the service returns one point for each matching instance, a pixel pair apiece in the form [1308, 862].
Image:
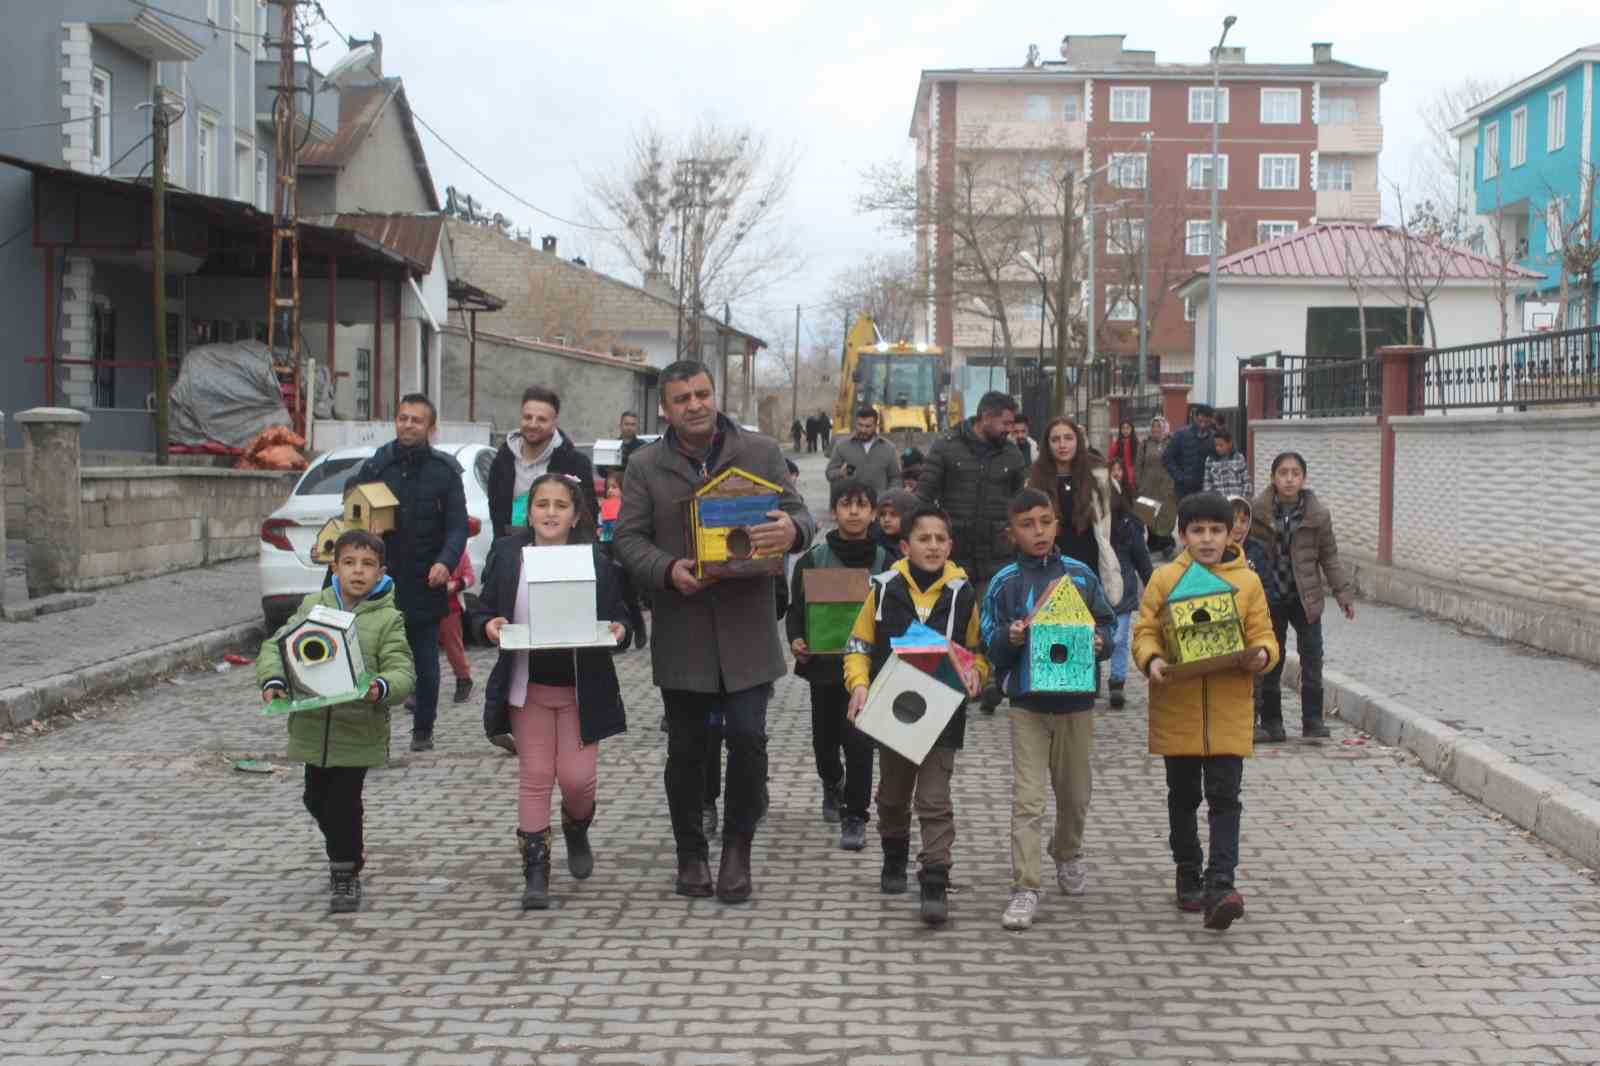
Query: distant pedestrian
[1227, 472]
[798, 432]
[825, 429]
[1152, 482]
[628, 428]
[813, 434]
[1304, 569]
[912, 461]
[610, 511]
[1020, 437]
[1133, 556]
[1186, 453]
[1124, 452]
[866, 456]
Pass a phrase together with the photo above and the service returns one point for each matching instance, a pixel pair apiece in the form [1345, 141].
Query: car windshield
[899, 380]
[328, 478]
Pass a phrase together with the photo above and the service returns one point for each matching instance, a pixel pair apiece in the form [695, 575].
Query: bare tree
[1440, 113]
[1417, 260]
[1574, 249]
[1355, 265]
[882, 286]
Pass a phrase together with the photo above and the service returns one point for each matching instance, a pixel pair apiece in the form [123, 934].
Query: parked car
[288, 535]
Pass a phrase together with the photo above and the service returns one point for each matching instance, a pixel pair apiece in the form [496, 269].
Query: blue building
[1527, 187]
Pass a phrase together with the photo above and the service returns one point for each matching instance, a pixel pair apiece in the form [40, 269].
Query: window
[174, 108]
[1036, 108]
[1127, 170]
[1519, 136]
[1336, 111]
[1197, 237]
[1555, 131]
[1491, 150]
[1122, 304]
[1072, 108]
[1280, 172]
[1280, 107]
[1200, 104]
[1124, 236]
[1032, 307]
[100, 120]
[1271, 231]
[1200, 171]
[1130, 104]
[1336, 175]
[1188, 308]
[205, 156]
[263, 181]
[244, 171]
[1552, 225]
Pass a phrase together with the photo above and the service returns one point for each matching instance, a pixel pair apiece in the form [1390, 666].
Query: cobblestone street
[163, 907]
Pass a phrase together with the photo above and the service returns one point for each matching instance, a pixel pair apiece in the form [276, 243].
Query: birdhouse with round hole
[1060, 654]
[370, 506]
[1201, 625]
[322, 656]
[720, 515]
[907, 708]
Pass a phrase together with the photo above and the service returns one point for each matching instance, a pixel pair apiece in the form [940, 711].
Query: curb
[1555, 813]
[58, 693]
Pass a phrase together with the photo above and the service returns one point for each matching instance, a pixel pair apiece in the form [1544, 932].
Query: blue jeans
[423, 636]
[1119, 648]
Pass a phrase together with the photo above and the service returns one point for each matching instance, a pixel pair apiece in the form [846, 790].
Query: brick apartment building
[1298, 143]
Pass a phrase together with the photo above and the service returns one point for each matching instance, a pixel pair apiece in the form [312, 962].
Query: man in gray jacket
[716, 650]
[866, 457]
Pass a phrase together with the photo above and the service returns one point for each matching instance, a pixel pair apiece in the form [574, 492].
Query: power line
[207, 23]
[65, 121]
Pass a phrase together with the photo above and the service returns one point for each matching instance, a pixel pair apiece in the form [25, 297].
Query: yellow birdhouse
[1201, 624]
[720, 515]
[371, 507]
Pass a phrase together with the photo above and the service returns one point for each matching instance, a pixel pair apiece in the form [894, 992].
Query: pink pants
[450, 642]
[549, 749]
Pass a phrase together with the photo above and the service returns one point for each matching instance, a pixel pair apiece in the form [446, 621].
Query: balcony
[1355, 138]
[1352, 206]
[980, 133]
[146, 34]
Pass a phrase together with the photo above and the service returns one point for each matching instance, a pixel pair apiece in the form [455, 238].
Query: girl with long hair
[1124, 453]
[1079, 487]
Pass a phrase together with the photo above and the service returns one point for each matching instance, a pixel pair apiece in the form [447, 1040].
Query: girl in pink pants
[558, 703]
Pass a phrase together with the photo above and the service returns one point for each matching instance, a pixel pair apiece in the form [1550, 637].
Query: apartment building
[1298, 143]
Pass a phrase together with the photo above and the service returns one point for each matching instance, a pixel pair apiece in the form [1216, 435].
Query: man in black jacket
[972, 471]
[1188, 450]
[429, 536]
[628, 430]
[536, 448]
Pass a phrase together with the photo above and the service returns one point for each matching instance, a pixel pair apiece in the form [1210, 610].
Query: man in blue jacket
[1188, 450]
[429, 536]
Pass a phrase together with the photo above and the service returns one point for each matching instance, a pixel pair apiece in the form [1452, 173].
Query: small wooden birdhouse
[721, 513]
[372, 507]
[931, 652]
[834, 596]
[327, 537]
[561, 595]
[1201, 625]
[907, 708]
[1060, 654]
[322, 656]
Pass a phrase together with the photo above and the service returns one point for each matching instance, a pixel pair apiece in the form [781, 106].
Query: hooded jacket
[565, 459]
[1313, 551]
[430, 527]
[974, 480]
[1012, 596]
[1213, 714]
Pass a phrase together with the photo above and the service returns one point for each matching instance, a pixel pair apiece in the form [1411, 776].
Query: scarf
[1286, 521]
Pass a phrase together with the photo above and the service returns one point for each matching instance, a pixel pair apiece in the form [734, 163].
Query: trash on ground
[254, 766]
[236, 659]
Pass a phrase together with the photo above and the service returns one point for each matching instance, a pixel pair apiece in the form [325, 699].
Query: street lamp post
[1144, 267]
[1211, 239]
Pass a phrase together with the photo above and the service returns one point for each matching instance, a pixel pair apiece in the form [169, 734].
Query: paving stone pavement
[161, 907]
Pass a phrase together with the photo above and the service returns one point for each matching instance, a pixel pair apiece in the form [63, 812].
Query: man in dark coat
[429, 536]
[1188, 450]
[972, 471]
[537, 447]
[628, 429]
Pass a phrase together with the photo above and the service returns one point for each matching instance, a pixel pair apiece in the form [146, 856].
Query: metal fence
[1538, 370]
[1314, 386]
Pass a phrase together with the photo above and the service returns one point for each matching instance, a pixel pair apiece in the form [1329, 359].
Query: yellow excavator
[908, 385]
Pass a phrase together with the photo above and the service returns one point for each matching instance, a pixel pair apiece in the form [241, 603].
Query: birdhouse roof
[1062, 604]
[560, 562]
[376, 493]
[1198, 581]
[736, 482]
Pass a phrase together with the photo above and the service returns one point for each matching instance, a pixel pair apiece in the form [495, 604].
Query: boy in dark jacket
[1052, 733]
[846, 789]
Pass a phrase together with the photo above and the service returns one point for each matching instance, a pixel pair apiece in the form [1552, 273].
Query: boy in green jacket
[339, 743]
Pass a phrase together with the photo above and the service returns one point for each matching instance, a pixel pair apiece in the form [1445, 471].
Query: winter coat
[1185, 458]
[430, 524]
[725, 635]
[1228, 475]
[834, 551]
[1104, 562]
[600, 712]
[1152, 480]
[1314, 552]
[876, 463]
[1012, 596]
[1213, 714]
[949, 605]
[566, 459]
[354, 733]
[974, 481]
[1133, 556]
[1125, 452]
[627, 450]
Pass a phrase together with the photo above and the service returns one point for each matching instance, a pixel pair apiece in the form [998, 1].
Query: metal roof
[360, 107]
[415, 236]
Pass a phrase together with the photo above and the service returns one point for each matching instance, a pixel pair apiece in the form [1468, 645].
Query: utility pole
[1211, 236]
[283, 306]
[794, 399]
[1144, 269]
[1063, 293]
[158, 263]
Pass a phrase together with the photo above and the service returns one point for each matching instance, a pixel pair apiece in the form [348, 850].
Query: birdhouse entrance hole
[909, 707]
[1200, 615]
[739, 544]
[1058, 653]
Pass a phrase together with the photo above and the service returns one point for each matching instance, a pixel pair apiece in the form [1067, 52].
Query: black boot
[344, 883]
[830, 802]
[694, 876]
[733, 875]
[935, 881]
[896, 850]
[463, 689]
[1313, 729]
[1191, 889]
[1117, 700]
[535, 869]
[580, 859]
[1223, 905]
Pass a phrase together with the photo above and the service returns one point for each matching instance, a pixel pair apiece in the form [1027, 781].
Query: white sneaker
[1019, 912]
[1073, 877]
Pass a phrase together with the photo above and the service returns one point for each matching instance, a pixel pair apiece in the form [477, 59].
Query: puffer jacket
[974, 481]
[1185, 458]
[355, 733]
[1213, 714]
[1314, 552]
[565, 459]
[431, 526]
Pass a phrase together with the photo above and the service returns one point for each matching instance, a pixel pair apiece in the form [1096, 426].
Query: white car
[287, 572]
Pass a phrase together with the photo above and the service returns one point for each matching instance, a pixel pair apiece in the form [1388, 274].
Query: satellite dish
[355, 59]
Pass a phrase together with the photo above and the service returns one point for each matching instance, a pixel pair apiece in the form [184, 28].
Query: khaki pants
[1053, 747]
[900, 781]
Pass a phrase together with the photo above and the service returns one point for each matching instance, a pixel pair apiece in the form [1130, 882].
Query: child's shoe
[853, 834]
[896, 852]
[830, 803]
[1072, 877]
[1117, 699]
[935, 882]
[1191, 889]
[1019, 912]
[344, 883]
[580, 857]
[463, 689]
[535, 849]
[421, 741]
[1224, 907]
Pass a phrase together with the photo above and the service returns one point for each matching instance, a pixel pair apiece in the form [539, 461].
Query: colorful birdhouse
[907, 708]
[561, 601]
[370, 506]
[929, 651]
[322, 662]
[834, 596]
[1201, 625]
[1060, 654]
[721, 513]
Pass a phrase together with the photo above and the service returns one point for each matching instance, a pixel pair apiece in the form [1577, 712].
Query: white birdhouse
[322, 655]
[907, 709]
[561, 596]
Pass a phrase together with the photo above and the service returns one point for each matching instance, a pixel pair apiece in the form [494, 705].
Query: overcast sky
[537, 92]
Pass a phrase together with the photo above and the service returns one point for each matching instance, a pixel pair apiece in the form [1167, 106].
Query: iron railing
[1537, 370]
[1315, 386]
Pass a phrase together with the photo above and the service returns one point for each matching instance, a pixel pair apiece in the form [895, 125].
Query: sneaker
[421, 741]
[463, 689]
[1072, 876]
[344, 882]
[1117, 700]
[1191, 890]
[853, 834]
[1019, 912]
[506, 741]
[1224, 909]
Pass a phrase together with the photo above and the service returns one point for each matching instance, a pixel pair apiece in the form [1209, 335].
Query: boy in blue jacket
[1052, 733]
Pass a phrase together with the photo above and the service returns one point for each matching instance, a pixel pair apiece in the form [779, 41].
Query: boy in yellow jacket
[1203, 726]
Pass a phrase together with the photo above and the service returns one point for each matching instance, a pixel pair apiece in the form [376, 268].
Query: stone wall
[15, 498]
[143, 521]
[1342, 459]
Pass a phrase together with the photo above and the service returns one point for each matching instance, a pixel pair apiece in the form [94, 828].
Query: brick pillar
[1116, 404]
[50, 468]
[1263, 399]
[2, 506]
[1175, 404]
[1402, 395]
